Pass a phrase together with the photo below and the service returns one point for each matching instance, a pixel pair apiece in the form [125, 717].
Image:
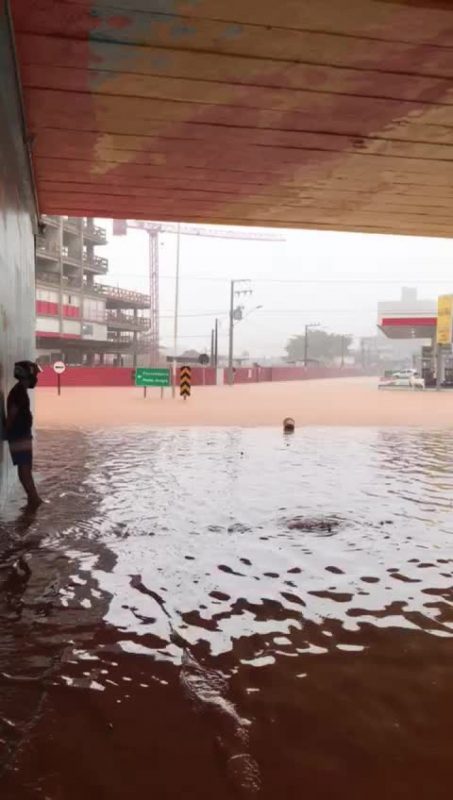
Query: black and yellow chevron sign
[185, 381]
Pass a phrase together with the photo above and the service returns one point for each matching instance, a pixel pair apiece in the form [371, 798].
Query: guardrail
[72, 223]
[96, 263]
[55, 279]
[124, 339]
[44, 247]
[126, 295]
[127, 321]
[95, 232]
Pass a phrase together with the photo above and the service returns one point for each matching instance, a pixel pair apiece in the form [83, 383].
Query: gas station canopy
[410, 317]
[409, 327]
[295, 113]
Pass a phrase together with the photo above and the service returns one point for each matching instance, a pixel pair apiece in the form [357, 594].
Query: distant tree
[322, 346]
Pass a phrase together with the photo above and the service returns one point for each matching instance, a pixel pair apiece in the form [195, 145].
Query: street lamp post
[176, 314]
[230, 336]
[343, 348]
[307, 328]
[233, 293]
[216, 343]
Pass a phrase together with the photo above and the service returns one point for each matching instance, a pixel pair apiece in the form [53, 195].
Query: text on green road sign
[146, 376]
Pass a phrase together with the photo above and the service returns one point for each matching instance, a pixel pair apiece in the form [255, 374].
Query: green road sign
[146, 376]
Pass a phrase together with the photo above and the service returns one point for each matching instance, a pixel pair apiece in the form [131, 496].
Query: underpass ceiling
[327, 114]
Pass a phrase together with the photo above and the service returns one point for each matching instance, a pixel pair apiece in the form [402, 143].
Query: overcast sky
[334, 279]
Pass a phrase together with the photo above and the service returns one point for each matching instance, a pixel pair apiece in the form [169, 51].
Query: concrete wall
[17, 294]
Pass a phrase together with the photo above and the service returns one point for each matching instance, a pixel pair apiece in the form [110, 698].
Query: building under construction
[79, 319]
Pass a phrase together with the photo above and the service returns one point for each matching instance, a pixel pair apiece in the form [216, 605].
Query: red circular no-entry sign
[59, 367]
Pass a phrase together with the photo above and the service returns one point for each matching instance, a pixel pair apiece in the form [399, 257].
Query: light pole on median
[307, 328]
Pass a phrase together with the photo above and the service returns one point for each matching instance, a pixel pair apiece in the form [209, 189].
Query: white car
[407, 373]
[404, 379]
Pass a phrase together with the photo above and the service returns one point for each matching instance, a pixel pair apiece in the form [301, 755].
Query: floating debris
[313, 524]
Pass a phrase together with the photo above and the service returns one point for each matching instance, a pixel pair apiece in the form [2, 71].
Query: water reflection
[166, 624]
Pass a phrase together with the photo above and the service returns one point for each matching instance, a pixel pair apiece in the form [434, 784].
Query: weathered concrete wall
[17, 318]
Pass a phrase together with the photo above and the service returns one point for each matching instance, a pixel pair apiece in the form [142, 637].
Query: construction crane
[120, 228]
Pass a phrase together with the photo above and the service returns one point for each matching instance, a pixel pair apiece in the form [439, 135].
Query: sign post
[444, 319]
[444, 332]
[59, 367]
[185, 381]
[152, 377]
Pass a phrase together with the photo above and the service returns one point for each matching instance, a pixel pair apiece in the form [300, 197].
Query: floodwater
[230, 613]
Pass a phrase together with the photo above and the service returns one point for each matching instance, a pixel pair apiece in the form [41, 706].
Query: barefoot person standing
[18, 428]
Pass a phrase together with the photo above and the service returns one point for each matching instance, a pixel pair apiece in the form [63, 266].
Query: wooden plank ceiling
[298, 113]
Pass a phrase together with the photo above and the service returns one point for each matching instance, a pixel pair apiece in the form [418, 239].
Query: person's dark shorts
[21, 452]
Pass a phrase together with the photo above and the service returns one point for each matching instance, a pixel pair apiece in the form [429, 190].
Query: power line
[204, 335]
[224, 313]
[329, 282]
[323, 282]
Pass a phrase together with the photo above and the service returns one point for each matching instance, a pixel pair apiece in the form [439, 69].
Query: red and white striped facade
[69, 316]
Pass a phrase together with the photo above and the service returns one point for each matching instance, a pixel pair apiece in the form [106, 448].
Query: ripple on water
[258, 615]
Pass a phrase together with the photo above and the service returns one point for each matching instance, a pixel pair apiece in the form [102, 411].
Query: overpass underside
[327, 114]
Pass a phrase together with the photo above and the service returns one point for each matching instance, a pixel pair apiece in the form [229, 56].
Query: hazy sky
[334, 279]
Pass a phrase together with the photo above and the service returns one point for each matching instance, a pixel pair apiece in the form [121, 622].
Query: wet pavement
[230, 613]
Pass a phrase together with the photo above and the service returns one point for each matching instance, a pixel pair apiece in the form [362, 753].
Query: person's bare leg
[26, 479]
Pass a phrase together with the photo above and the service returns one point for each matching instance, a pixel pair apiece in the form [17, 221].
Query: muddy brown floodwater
[230, 613]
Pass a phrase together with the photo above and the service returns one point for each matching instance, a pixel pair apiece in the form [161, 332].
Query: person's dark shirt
[18, 415]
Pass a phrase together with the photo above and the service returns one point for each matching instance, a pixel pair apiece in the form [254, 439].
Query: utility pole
[230, 339]
[216, 343]
[343, 346]
[211, 360]
[343, 349]
[238, 313]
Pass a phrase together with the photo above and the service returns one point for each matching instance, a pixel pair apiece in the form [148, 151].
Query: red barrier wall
[88, 376]
[251, 375]
[203, 376]
[257, 374]
[112, 376]
[122, 376]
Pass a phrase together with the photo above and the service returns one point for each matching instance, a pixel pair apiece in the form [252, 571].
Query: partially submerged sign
[185, 381]
[150, 376]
